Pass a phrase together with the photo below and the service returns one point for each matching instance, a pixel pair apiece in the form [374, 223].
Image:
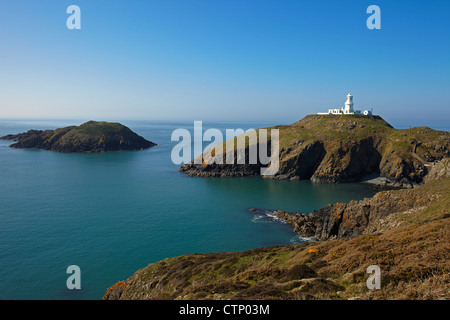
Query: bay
[114, 213]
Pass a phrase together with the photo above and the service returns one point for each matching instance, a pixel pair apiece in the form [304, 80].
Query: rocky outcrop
[90, 137]
[222, 170]
[337, 149]
[439, 170]
[344, 220]
[304, 164]
[348, 162]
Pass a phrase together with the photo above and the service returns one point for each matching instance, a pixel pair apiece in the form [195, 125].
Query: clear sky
[224, 59]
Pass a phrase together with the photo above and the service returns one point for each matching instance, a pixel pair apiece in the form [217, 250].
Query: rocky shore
[90, 137]
[345, 220]
[370, 215]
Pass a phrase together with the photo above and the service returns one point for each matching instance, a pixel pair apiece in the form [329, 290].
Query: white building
[348, 108]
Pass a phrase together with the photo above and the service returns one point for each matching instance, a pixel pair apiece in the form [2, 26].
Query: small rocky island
[90, 137]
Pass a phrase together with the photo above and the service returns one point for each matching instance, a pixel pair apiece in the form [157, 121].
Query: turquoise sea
[114, 213]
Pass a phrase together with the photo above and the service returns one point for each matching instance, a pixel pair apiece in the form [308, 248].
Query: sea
[112, 214]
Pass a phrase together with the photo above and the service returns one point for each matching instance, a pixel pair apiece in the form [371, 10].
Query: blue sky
[224, 59]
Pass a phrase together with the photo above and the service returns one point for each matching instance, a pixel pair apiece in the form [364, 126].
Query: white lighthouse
[348, 108]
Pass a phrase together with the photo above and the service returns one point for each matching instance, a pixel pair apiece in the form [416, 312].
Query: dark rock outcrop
[90, 137]
[344, 220]
[348, 163]
[223, 170]
[304, 164]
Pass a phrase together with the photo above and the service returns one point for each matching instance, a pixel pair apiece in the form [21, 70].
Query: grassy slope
[350, 128]
[329, 128]
[97, 128]
[341, 130]
[413, 255]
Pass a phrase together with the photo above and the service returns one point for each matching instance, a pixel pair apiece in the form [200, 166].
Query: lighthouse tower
[348, 108]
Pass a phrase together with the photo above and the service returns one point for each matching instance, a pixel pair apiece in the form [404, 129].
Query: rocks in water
[223, 171]
[90, 137]
[344, 220]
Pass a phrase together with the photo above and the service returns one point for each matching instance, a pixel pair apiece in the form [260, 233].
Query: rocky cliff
[90, 137]
[345, 220]
[348, 148]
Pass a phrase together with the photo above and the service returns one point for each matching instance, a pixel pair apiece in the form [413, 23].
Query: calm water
[114, 213]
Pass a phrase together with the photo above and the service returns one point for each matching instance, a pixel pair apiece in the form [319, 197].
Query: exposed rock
[345, 220]
[439, 170]
[89, 137]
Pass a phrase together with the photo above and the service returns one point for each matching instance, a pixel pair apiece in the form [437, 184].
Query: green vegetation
[331, 127]
[341, 130]
[96, 128]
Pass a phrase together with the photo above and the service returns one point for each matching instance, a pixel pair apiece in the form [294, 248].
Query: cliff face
[89, 137]
[344, 220]
[335, 149]
[404, 232]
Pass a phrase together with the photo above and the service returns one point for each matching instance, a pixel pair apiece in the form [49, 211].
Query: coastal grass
[100, 128]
